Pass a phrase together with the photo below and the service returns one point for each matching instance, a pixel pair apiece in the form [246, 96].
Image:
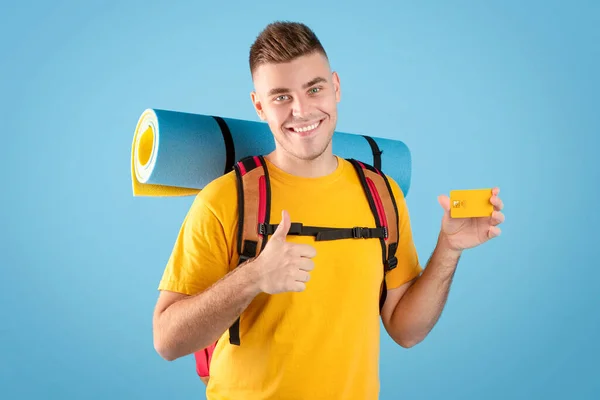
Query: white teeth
[306, 128]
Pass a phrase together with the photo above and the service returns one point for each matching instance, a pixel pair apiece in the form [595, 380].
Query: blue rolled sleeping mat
[177, 153]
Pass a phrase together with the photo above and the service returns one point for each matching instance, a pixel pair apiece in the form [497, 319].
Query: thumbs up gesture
[282, 266]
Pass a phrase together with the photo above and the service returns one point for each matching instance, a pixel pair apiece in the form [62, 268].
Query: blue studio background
[483, 93]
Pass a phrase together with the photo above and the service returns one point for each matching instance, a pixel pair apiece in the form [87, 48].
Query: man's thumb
[284, 226]
[445, 203]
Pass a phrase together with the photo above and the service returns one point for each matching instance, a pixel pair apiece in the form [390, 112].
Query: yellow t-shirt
[322, 343]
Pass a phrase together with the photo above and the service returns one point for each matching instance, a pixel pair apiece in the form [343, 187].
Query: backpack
[254, 227]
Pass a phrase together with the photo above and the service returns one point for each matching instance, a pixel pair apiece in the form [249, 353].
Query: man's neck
[324, 165]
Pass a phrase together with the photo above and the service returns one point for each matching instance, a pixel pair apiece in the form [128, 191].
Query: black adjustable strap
[229, 146]
[392, 261]
[325, 233]
[249, 252]
[376, 152]
[234, 333]
[389, 265]
[383, 294]
[351, 233]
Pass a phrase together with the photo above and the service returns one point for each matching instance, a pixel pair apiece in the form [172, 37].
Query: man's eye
[315, 90]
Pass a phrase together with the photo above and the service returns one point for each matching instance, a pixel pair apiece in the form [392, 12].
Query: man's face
[299, 102]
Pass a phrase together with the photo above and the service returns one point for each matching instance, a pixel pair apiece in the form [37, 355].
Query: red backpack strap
[254, 208]
[385, 211]
[203, 358]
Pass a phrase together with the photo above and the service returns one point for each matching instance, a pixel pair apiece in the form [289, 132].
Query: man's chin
[302, 149]
[308, 154]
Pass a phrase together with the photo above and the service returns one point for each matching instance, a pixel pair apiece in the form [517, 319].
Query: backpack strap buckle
[361, 233]
[391, 263]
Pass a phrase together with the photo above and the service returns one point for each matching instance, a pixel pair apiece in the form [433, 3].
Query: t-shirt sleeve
[200, 255]
[408, 266]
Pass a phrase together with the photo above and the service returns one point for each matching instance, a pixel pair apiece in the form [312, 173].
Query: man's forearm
[420, 307]
[196, 322]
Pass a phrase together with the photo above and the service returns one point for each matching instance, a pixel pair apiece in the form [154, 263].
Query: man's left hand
[465, 233]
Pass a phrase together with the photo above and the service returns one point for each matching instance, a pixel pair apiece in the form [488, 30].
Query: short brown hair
[283, 41]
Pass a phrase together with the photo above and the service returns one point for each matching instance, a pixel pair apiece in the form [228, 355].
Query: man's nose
[300, 107]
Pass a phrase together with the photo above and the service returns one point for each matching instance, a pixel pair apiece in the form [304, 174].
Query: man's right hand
[282, 266]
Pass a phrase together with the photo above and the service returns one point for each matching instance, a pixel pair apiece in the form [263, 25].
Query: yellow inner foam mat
[143, 144]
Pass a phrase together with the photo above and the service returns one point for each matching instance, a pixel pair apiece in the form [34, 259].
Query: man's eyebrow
[312, 82]
[275, 91]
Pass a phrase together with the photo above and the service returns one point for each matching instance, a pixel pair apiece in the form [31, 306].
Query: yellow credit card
[471, 203]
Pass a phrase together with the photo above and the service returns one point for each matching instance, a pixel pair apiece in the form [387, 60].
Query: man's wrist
[444, 259]
[251, 276]
[446, 249]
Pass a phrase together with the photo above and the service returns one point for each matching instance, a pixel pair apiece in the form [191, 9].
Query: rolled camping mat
[176, 153]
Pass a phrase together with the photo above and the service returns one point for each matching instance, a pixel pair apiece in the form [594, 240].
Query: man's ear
[336, 85]
[257, 105]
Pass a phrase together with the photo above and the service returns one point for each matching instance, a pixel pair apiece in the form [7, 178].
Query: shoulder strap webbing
[229, 144]
[376, 152]
[254, 208]
[385, 211]
[325, 233]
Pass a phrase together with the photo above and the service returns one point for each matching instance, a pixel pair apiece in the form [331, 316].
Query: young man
[309, 309]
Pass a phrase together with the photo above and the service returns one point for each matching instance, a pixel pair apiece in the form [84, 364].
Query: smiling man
[308, 310]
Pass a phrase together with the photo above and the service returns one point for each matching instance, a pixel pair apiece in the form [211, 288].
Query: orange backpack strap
[385, 211]
[254, 208]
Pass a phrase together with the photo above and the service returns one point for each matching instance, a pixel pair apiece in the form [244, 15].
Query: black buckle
[361, 233]
[243, 258]
[262, 229]
[296, 228]
[391, 263]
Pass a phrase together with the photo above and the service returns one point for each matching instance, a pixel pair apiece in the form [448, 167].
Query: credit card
[471, 203]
